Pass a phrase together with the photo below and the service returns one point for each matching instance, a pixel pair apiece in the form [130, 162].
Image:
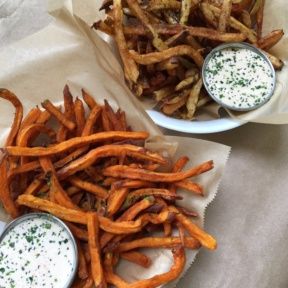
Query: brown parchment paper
[273, 112]
[67, 51]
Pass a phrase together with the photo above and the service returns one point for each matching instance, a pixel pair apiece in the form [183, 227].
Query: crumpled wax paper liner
[68, 51]
[273, 112]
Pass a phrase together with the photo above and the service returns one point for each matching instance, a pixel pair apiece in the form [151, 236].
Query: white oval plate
[197, 127]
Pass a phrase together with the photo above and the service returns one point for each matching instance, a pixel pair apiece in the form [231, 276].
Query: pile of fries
[93, 172]
[163, 44]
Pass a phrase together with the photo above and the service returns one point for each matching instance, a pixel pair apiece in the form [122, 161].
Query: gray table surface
[248, 217]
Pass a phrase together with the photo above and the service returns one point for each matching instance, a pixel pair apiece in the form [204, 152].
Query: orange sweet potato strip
[128, 215]
[56, 192]
[88, 186]
[64, 213]
[155, 281]
[122, 171]
[158, 242]
[204, 238]
[75, 142]
[190, 186]
[88, 99]
[93, 241]
[137, 258]
[82, 265]
[79, 115]
[177, 167]
[108, 151]
[79, 233]
[5, 195]
[43, 117]
[116, 200]
[91, 120]
[49, 106]
[9, 96]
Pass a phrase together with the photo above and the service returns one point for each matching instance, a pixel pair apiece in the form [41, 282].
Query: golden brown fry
[259, 19]
[185, 11]
[122, 171]
[34, 187]
[89, 187]
[130, 68]
[158, 43]
[156, 57]
[74, 143]
[93, 241]
[276, 62]
[192, 100]
[170, 108]
[271, 39]
[156, 5]
[158, 242]
[246, 18]
[79, 115]
[12, 98]
[103, 27]
[225, 15]
[137, 258]
[108, 151]
[204, 238]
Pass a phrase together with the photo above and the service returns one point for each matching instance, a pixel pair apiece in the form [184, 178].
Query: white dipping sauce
[37, 252]
[239, 78]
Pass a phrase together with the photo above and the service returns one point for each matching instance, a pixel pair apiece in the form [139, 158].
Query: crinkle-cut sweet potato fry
[122, 171]
[108, 151]
[93, 241]
[74, 143]
[12, 98]
[137, 258]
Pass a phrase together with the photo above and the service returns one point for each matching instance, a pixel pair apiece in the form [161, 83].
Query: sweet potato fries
[94, 173]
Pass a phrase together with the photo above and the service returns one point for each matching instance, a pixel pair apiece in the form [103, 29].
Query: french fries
[160, 41]
[103, 182]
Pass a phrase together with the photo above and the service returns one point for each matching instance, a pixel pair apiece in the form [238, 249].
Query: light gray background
[249, 217]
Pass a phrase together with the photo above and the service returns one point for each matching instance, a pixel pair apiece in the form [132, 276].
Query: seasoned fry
[156, 57]
[192, 100]
[74, 143]
[9, 96]
[137, 258]
[130, 68]
[121, 171]
[58, 115]
[259, 19]
[224, 15]
[93, 240]
[271, 39]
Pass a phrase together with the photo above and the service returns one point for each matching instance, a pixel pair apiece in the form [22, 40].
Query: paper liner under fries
[69, 52]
